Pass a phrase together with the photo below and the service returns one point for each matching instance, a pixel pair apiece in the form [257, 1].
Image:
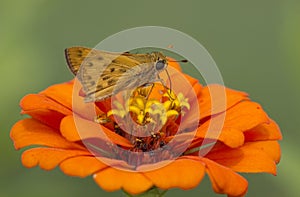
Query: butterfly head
[160, 61]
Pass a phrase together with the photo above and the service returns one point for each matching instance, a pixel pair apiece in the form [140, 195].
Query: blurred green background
[256, 45]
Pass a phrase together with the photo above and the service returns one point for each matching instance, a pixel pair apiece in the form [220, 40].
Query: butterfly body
[103, 74]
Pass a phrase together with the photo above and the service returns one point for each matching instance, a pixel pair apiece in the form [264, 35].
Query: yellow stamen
[140, 118]
[139, 102]
[135, 109]
[115, 112]
[167, 104]
[183, 101]
[151, 110]
[172, 113]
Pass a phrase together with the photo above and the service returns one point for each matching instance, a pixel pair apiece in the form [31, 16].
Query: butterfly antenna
[184, 61]
[169, 93]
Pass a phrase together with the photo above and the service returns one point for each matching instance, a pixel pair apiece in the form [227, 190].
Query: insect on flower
[104, 74]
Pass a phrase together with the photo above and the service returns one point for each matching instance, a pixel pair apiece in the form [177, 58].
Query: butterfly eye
[160, 65]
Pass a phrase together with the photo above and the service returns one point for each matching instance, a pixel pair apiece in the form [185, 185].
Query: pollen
[154, 114]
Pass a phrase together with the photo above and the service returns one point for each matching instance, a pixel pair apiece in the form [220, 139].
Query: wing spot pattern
[111, 82]
[122, 70]
[99, 87]
[106, 77]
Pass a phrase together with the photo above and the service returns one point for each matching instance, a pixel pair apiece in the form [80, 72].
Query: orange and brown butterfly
[103, 74]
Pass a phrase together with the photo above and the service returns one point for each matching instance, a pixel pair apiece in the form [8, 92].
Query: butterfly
[104, 74]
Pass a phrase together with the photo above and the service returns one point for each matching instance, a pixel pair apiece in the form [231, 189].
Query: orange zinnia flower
[246, 142]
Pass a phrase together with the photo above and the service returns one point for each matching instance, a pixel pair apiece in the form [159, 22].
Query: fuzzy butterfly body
[103, 74]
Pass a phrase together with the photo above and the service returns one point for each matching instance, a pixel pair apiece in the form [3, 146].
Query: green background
[256, 45]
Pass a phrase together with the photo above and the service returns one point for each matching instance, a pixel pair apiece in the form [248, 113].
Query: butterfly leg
[165, 85]
[149, 92]
[101, 119]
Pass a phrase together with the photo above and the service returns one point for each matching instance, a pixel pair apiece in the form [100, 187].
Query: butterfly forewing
[75, 56]
[103, 74]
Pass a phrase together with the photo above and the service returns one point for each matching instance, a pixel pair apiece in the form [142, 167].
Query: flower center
[148, 117]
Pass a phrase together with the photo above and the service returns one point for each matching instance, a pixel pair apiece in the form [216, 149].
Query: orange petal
[32, 132]
[190, 88]
[37, 101]
[48, 158]
[117, 163]
[47, 117]
[104, 105]
[272, 148]
[81, 166]
[245, 115]
[213, 96]
[266, 131]
[86, 110]
[181, 173]
[61, 93]
[232, 137]
[241, 117]
[183, 83]
[193, 82]
[111, 179]
[44, 109]
[224, 180]
[85, 129]
[253, 157]
[211, 100]
[66, 94]
[68, 129]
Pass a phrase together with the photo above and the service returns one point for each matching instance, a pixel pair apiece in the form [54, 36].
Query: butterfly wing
[100, 71]
[131, 79]
[75, 56]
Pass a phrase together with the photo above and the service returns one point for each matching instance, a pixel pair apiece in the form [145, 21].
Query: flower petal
[33, 102]
[48, 158]
[271, 148]
[226, 127]
[65, 94]
[212, 100]
[84, 129]
[82, 166]
[178, 72]
[68, 129]
[253, 157]
[266, 131]
[44, 109]
[182, 173]
[190, 88]
[28, 132]
[111, 179]
[182, 83]
[224, 180]
[245, 115]
[61, 93]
